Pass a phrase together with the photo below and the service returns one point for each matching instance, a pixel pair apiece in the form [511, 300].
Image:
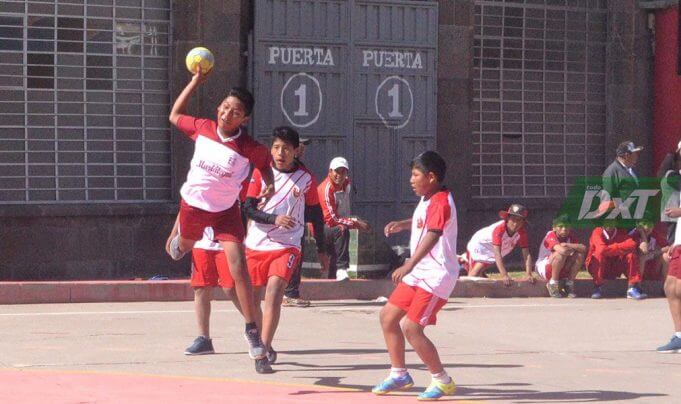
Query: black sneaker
[201, 346]
[271, 356]
[256, 349]
[262, 366]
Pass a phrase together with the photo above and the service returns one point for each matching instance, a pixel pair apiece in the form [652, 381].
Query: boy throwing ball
[223, 153]
[425, 282]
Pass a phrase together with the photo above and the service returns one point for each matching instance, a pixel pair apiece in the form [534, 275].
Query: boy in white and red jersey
[223, 153]
[209, 270]
[560, 258]
[491, 244]
[652, 246]
[334, 197]
[275, 232]
[424, 282]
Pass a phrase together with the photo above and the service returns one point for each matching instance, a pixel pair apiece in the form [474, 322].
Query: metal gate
[358, 77]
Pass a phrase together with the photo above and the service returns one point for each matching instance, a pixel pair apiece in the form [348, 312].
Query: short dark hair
[430, 162]
[286, 134]
[244, 96]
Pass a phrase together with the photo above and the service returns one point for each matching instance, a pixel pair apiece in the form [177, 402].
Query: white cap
[338, 162]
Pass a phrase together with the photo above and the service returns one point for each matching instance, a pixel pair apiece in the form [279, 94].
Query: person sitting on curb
[560, 259]
[334, 197]
[491, 244]
[612, 252]
[652, 245]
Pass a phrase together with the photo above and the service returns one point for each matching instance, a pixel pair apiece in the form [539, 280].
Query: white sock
[678, 334]
[442, 377]
[553, 282]
[398, 372]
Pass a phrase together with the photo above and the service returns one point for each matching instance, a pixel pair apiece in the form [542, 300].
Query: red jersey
[335, 202]
[603, 244]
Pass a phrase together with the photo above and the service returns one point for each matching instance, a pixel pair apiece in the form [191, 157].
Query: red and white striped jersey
[438, 271]
[294, 191]
[481, 245]
[219, 165]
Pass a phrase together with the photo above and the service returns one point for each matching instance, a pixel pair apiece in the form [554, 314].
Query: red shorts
[472, 262]
[209, 268]
[263, 264]
[227, 225]
[675, 263]
[421, 306]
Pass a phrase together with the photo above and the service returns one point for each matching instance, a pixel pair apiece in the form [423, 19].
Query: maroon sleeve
[311, 196]
[498, 233]
[255, 186]
[190, 126]
[258, 154]
[438, 212]
[550, 241]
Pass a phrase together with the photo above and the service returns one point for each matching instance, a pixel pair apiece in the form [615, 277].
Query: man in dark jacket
[620, 179]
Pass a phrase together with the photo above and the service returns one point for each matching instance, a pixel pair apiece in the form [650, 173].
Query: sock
[553, 282]
[398, 372]
[678, 334]
[251, 326]
[442, 377]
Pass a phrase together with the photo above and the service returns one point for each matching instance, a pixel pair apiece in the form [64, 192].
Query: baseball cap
[305, 140]
[627, 147]
[338, 162]
[515, 209]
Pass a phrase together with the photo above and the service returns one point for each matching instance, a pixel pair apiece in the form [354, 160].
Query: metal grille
[84, 101]
[539, 96]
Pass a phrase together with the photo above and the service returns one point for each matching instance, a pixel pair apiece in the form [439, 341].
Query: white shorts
[540, 266]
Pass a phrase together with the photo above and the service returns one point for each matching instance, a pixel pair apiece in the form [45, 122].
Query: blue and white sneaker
[393, 384]
[635, 293]
[436, 390]
[673, 346]
[201, 346]
[598, 293]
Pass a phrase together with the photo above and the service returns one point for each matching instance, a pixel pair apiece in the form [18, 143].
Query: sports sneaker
[201, 346]
[436, 390]
[175, 252]
[342, 274]
[570, 289]
[256, 349]
[295, 302]
[554, 290]
[673, 346]
[634, 293]
[271, 356]
[262, 366]
[598, 293]
[393, 384]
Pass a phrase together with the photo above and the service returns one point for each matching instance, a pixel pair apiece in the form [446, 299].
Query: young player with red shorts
[491, 244]
[275, 232]
[223, 153]
[560, 259]
[424, 282]
[652, 246]
[672, 285]
[209, 270]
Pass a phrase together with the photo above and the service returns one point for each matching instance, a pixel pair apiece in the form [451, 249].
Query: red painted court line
[72, 387]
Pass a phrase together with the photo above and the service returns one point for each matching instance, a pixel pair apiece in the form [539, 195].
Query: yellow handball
[199, 56]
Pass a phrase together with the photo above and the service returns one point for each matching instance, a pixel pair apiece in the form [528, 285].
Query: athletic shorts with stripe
[210, 268]
[264, 264]
[421, 306]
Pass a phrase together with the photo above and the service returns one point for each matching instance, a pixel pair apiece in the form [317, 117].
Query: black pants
[337, 245]
[292, 289]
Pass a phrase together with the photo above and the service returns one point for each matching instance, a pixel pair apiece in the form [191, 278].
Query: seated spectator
[334, 197]
[612, 253]
[652, 246]
[560, 259]
[491, 244]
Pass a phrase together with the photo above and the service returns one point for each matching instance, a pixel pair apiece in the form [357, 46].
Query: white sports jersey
[481, 245]
[293, 191]
[208, 241]
[677, 233]
[219, 164]
[438, 271]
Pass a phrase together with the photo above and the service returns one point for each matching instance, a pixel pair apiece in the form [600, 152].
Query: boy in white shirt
[425, 281]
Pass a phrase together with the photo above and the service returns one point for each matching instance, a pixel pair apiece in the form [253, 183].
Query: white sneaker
[342, 274]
